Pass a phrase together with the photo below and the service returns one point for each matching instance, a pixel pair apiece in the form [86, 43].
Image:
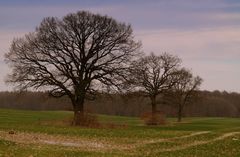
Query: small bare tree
[154, 74]
[73, 56]
[184, 91]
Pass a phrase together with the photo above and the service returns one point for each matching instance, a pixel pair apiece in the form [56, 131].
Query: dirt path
[97, 144]
[226, 135]
[178, 137]
[79, 142]
[40, 138]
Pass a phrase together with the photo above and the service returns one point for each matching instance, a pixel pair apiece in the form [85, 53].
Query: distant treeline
[208, 104]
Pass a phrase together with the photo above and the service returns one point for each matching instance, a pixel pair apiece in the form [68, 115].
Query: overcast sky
[204, 33]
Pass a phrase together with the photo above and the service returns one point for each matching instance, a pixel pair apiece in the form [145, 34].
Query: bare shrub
[87, 119]
[158, 118]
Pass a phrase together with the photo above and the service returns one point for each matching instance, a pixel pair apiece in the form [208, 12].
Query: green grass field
[43, 134]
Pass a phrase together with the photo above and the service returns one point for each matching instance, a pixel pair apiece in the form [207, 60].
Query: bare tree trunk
[154, 110]
[154, 105]
[179, 113]
[78, 112]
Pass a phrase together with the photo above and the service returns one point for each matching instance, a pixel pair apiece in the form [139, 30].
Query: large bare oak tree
[73, 56]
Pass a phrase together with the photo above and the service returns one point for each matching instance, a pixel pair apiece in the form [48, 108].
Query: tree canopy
[74, 56]
[154, 75]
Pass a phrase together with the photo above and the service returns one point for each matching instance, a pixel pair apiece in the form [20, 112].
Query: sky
[205, 34]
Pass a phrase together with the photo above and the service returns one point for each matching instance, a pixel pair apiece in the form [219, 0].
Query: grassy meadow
[48, 134]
